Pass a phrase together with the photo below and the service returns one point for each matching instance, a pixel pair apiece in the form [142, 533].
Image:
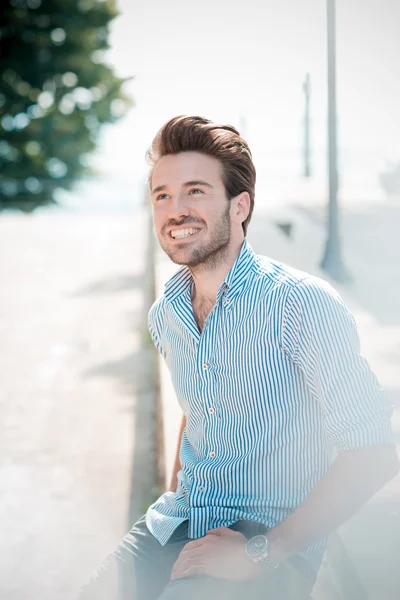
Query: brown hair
[223, 142]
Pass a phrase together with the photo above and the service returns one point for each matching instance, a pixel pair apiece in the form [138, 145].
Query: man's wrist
[258, 550]
[277, 553]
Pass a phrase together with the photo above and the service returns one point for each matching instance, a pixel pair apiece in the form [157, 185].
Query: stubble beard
[211, 254]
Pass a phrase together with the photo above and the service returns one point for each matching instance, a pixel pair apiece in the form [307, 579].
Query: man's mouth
[179, 234]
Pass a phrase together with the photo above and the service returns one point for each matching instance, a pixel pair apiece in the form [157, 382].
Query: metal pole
[307, 92]
[332, 261]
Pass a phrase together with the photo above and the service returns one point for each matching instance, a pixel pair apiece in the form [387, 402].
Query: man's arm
[355, 476]
[177, 465]
[320, 336]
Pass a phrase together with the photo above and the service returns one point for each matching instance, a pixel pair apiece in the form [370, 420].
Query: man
[266, 367]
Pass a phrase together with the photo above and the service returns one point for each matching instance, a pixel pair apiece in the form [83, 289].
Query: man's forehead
[186, 166]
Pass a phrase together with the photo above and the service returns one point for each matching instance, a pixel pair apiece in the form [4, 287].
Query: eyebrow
[160, 188]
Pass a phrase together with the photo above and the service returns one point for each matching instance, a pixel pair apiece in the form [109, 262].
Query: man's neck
[207, 281]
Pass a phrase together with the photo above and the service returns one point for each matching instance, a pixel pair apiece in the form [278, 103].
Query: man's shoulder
[271, 270]
[299, 284]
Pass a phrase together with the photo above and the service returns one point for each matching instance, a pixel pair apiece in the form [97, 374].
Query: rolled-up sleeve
[320, 336]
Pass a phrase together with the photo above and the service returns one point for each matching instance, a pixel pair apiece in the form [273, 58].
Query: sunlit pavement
[71, 322]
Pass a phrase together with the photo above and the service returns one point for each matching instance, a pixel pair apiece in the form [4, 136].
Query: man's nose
[178, 206]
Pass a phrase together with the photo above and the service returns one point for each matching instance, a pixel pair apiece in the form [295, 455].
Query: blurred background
[84, 86]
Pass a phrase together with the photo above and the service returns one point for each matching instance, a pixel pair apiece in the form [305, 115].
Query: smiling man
[266, 366]
[196, 225]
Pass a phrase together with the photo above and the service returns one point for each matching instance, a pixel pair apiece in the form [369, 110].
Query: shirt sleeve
[320, 336]
[155, 324]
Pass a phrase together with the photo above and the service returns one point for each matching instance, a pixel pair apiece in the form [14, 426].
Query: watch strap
[265, 563]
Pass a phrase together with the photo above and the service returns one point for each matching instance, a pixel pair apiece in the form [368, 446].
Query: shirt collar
[182, 280]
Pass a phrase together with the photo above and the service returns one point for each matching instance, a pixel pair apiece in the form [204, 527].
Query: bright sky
[245, 62]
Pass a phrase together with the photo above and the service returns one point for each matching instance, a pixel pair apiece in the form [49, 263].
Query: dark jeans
[140, 569]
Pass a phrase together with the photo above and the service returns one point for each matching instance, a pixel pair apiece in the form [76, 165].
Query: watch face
[256, 546]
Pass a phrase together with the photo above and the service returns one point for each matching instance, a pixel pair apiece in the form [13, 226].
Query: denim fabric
[140, 569]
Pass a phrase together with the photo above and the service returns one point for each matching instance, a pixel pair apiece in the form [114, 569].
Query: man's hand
[220, 553]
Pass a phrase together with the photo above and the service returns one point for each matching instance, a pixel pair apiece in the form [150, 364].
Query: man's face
[191, 210]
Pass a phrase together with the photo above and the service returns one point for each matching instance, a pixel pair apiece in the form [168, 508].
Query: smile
[179, 234]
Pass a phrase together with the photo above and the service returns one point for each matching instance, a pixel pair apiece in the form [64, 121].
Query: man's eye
[195, 191]
[161, 196]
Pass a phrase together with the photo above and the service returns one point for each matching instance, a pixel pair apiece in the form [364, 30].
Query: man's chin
[178, 256]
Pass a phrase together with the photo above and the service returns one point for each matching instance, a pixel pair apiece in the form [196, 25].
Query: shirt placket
[205, 372]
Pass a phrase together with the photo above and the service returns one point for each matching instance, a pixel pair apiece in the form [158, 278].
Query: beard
[210, 254]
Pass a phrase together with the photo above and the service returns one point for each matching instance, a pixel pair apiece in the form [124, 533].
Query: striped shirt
[273, 382]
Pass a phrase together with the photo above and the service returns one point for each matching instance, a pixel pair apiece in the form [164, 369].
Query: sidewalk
[372, 537]
[76, 399]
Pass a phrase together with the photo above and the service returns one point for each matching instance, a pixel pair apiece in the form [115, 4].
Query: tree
[55, 93]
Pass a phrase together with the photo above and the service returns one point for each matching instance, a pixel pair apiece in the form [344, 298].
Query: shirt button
[211, 411]
[201, 489]
[205, 367]
[212, 454]
[227, 300]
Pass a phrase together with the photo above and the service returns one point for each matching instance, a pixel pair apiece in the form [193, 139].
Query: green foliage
[55, 93]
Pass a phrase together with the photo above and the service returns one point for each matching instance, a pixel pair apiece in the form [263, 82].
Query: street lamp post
[332, 261]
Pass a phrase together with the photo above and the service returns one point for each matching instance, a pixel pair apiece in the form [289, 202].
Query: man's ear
[241, 207]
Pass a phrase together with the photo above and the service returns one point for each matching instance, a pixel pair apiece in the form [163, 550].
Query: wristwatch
[257, 551]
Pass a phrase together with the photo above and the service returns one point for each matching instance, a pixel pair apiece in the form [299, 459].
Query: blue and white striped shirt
[272, 382]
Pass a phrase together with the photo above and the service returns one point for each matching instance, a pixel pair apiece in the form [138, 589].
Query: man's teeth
[182, 233]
